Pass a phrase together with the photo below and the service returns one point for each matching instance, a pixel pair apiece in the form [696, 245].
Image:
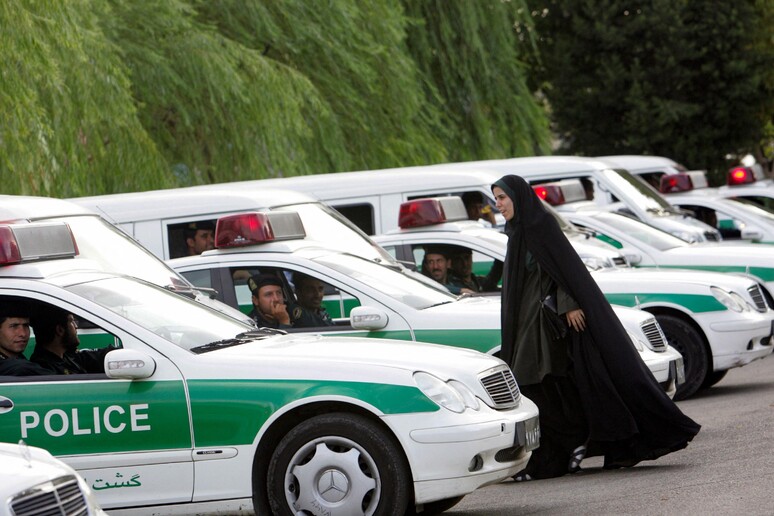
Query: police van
[693, 308]
[197, 412]
[371, 198]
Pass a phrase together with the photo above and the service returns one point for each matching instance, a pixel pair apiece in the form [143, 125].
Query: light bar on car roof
[561, 192]
[257, 228]
[675, 183]
[21, 243]
[426, 212]
[741, 176]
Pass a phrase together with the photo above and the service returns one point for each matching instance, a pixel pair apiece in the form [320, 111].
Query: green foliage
[355, 56]
[472, 55]
[691, 80]
[69, 126]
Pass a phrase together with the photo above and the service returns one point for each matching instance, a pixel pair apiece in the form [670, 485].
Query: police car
[368, 299]
[33, 482]
[197, 412]
[103, 245]
[716, 321]
[738, 211]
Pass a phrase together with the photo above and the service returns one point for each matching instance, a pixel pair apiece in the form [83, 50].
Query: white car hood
[327, 354]
[22, 469]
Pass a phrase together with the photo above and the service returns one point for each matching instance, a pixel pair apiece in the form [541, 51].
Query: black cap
[441, 249]
[261, 280]
[201, 224]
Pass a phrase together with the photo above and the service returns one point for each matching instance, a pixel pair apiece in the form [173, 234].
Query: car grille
[757, 296]
[619, 261]
[655, 336]
[502, 388]
[59, 497]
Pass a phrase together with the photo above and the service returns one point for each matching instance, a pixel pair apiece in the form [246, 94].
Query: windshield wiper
[240, 338]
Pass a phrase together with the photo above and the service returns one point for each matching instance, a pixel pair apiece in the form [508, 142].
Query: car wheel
[437, 507]
[685, 339]
[338, 463]
[713, 378]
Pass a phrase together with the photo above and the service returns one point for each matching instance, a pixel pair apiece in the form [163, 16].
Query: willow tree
[218, 111]
[354, 54]
[472, 55]
[69, 124]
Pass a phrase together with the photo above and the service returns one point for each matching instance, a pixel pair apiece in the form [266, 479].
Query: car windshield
[114, 251]
[323, 223]
[638, 192]
[640, 231]
[754, 209]
[399, 286]
[175, 318]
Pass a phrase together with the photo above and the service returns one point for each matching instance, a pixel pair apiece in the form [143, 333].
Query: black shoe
[521, 476]
[577, 456]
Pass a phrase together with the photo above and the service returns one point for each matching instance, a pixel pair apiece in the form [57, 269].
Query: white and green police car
[197, 412]
[716, 321]
[371, 300]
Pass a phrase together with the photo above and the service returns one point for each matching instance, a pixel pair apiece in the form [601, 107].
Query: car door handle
[5, 405]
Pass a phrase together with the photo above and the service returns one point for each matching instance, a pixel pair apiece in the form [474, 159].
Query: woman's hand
[576, 319]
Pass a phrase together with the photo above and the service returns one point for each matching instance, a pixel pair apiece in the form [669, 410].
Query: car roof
[635, 163]
[190, 201]
[18, 207]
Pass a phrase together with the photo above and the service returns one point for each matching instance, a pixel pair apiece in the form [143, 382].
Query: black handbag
[555, 325]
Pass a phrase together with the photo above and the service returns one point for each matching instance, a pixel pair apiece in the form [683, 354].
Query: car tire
[360, 463]
[713, 378]
[685, 339]
[437, 507]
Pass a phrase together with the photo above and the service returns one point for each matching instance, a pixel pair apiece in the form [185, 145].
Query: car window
[640, 231]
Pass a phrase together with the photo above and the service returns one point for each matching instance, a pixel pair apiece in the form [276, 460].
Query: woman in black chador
[595, 394]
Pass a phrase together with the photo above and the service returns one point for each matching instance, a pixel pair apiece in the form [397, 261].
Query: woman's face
[503, 203]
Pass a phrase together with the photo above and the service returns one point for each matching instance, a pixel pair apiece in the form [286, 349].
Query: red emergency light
[675, 183]
[552, 194]
[740, 176]
[33, 242]
[253, 228]
[421, 212]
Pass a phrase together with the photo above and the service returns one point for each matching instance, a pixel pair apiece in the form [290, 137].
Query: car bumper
[668, 368]
[454, 460]
[740, 340]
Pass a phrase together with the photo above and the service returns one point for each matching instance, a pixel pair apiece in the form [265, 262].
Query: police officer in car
[309, 312]
[14, 337]
[269, 308]
[199, 237]
[56, 346]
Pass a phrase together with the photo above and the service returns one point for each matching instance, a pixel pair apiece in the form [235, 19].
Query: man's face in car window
[14, 336]
[310, 293]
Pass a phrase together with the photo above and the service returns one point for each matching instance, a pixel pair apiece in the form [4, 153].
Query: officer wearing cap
[14, 337]
[309, 294]
[269, 308]
[199, 237]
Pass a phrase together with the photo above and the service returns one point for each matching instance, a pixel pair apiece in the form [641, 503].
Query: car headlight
[685, 235]
[595, 263]
[636, 342]
[452, 395]
[731, 301]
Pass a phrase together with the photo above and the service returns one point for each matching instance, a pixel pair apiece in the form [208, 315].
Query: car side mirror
[633, 257]
[752, 233]
[129, 364]
[368, 318]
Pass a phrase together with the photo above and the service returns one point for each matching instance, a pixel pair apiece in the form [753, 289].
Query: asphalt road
[728, 469]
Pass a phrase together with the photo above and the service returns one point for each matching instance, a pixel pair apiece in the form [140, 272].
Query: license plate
[528, 434]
